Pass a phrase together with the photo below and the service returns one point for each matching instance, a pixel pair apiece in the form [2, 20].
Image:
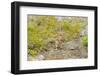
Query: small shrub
[85, 40]
[33, 53]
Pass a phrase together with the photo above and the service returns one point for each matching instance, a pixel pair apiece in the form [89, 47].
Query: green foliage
[72, 29]
[32, 52]
[85, 40]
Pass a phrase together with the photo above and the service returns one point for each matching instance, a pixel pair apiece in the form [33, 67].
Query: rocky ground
[70, 50]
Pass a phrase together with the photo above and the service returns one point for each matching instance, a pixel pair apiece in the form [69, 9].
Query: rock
[70, 50]
[29, 58]
[84, 31]
[71, 45]
[84, 52]
[38, 57]
[54, 55]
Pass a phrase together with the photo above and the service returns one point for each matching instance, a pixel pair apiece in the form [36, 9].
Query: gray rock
[38, 57]
[71, 45]
[84, 31]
